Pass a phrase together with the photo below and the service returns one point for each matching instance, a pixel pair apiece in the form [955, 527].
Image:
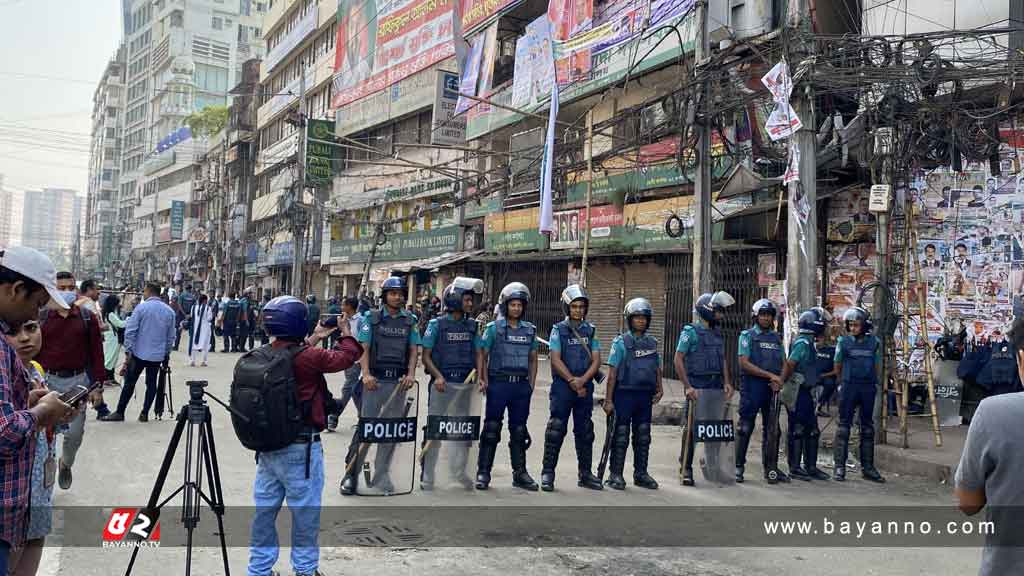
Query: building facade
[51, 223]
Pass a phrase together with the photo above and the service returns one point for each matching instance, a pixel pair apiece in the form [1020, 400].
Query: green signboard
[404, 246]
[514, 241]
[482, 207]
[177, 219]
[321, 156]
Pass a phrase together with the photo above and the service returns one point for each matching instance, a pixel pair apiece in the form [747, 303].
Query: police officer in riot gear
[761, 356]
[700, 357]
[803, 422]
[390, 340]
[999, 374]
[507, 370]
[449, 356]
[634, 387]
[575, 360]
[858, 355]
[826, 374]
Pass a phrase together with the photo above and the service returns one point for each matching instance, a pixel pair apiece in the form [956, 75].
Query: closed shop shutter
[647, 280]
[604, 285]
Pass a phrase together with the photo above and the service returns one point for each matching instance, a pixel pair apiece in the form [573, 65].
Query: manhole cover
[380, 535]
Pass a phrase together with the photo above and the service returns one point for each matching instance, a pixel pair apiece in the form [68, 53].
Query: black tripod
[164, 390]
[200, 455]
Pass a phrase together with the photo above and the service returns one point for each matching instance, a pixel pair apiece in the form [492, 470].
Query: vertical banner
[546, 224]
[490, 57]
[470, 74]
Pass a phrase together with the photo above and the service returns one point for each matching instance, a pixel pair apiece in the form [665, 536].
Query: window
[111, 132]
[218, 24]
[108, 175]
[111, 112]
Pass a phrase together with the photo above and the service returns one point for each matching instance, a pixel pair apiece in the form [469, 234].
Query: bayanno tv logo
[131, 528]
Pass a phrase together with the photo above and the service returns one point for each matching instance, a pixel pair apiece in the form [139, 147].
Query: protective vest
[1000, 371]
[510, 354]
[809, 366]
[825, 362]
[766, 353]
[859, 360]
[639, 369]
[704, 366]
[574, 352]
[231, 311]
[389, 351]
[453, 349]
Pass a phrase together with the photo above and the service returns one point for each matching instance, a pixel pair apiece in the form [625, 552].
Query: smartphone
[76, 394]
[330, 320]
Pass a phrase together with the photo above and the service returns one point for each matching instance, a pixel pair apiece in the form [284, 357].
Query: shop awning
[433, 263]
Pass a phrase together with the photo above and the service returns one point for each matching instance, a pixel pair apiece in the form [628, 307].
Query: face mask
[69, 297]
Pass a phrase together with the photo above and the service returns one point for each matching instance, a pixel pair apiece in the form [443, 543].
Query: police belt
[509, 378]
[453, 375]
[706, 381]
[388, 373]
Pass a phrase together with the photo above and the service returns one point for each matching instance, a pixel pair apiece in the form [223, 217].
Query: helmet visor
[474, 285]
[722, 299]
[571, 293]
[826, 316]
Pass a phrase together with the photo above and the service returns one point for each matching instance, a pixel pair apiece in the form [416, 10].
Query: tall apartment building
[6, 207]
[51, 222]
[182, 56]
[100, 248]
[300, 39]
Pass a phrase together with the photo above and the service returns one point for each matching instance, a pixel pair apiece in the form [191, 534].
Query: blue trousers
[857, 396]
[828, 388]
[281, 475]
[803, 414]
[512, 394]
[632, 407]
[564, 401]
[756, 396]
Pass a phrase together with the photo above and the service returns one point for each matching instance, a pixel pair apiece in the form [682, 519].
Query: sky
[52, 53]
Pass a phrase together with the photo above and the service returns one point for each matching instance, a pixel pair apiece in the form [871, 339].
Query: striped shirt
[17, 444]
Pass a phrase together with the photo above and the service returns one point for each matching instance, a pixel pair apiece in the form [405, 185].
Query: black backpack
[264, 390]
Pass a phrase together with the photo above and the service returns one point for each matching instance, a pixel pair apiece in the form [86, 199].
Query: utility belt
[706, 381]
[388, 373]
[508, 378]
[456, 375]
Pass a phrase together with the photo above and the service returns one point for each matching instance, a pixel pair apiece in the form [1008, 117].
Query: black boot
[641, 451]
[772, 474]
[348, 484]
[585, 458]
[746, 428]
[553, 437]
[794, 452]
[840, 452]
[488, 445]
[867, 456]
[617, 458]
[811, 457]
[519, 441]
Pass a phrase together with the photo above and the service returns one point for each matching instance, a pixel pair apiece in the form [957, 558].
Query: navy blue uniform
[508, 370]
[999, 374]
[764, 349]
[636, 362]
[860, 380]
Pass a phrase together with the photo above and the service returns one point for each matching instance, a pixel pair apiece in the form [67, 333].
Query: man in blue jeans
[296, 473]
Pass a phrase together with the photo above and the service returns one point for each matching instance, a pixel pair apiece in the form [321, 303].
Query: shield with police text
[385, 461]
[448, 455]
[713, 436]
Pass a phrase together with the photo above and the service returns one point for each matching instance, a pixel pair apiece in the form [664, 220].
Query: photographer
[296, 472]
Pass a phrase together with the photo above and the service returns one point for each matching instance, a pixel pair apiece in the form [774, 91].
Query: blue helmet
[392, 283]
[857, 314]
[285, 317]
[814, 321]
[638, 307]
[513, 291]
[764, 306]
[709, 303]
[454, 292]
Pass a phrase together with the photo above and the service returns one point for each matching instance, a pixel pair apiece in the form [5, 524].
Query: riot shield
[770, 451]
[384, 462]
[713, 436]
[449, 451]
[948, 392]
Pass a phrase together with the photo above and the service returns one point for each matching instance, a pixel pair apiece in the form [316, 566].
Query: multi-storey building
[51, 223]
[7, 233]
[300, 41]
[183, 57]
[101, 250]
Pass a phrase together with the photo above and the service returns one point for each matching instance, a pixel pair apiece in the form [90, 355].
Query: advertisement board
[405, 246]
[446, 128]
[513, 231]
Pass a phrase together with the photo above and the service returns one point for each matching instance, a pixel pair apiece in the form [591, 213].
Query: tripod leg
[161, 477]
[213, 476]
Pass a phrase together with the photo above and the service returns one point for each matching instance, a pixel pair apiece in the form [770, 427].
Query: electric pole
[297, 210]
[702, 225]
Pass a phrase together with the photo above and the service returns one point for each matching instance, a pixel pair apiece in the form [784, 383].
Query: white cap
[36, 266]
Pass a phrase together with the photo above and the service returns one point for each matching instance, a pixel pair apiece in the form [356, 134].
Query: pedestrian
[230, 314]
[253, 317]
[826, 354]
[988, 474]
[262, 331]
[89, 298]
[72, 355]
[575, 360]
[244, 328]
[507, 372]
[803, 437]
[449, 354]
[186, 300]
[27, 284]
[350, 390]
[149, 338]
[858, 355]
[201, 319]
[390, 338]
[634, 387]
[113, 339]
[25, 559]
[334, 309]
[761, 356]
[215, 306]
[180, 319]
[700, 364]
[314, 312]
[296, 472]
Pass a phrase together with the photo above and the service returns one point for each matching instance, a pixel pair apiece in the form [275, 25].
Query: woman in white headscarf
[202, 326]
